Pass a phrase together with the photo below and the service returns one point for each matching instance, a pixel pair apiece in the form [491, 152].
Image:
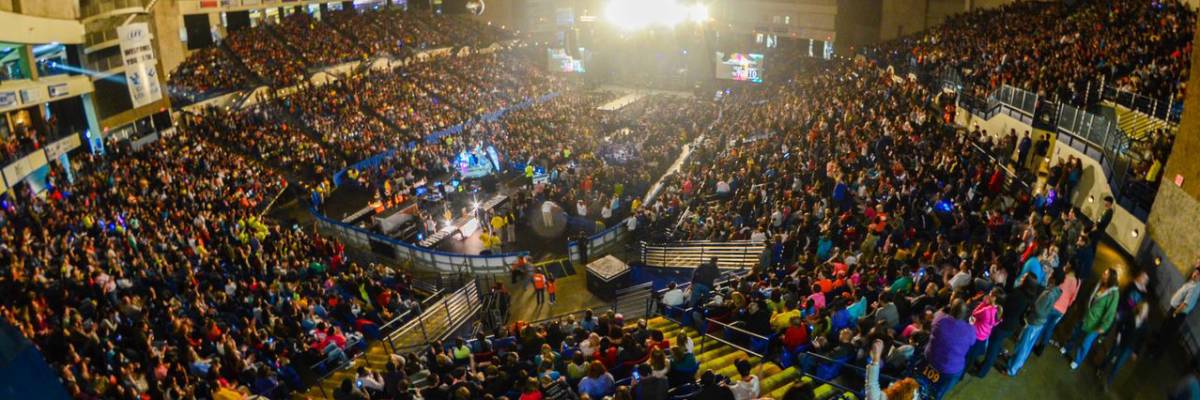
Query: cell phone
[637, 376]
[359, 383]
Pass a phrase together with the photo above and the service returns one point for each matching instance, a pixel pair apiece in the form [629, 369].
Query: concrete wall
[857, 24]
[902, 17]
[166, 23]
[21, 28]
[899, 17]
[1175, 213]
[57, 9]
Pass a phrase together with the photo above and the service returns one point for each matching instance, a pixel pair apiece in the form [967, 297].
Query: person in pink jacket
[1070, 289]
[984, 319]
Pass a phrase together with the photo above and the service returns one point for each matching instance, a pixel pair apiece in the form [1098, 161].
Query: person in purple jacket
[952, 335]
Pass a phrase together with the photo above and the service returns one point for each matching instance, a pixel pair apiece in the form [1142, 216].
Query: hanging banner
[8, 99]
[141, 75]
[63, 146]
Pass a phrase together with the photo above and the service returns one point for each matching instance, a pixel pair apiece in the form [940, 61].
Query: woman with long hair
[1099, 316]
[598, 382]
[659, 365]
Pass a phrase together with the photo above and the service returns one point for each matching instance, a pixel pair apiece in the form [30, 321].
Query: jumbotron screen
[560, 61]
[740, 66]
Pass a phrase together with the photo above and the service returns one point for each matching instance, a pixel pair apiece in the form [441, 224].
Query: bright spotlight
[698, 13]
[639, 14]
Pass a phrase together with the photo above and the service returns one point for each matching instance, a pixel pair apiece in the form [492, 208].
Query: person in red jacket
[796, 334]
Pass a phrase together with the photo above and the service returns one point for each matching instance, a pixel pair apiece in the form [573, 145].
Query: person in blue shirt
[1033, 266]
[598, 382]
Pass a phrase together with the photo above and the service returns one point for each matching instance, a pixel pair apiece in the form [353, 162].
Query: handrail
[762, 358]
[396, 320]
[726, 277]
[735, 328]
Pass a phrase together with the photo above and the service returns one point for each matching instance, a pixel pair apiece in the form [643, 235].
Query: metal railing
[735, 254]
[1168, 111]
[436, 321]
[1094, 135]
[601, 243]
[758, 359]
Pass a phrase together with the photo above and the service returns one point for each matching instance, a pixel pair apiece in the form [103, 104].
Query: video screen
[560, 61]
[740, 67]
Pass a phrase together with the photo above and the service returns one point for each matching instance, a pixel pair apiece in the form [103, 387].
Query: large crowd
[298, 31]
[896, 243]
[153, 274]
[204, 73]
[1057, 49]
[266, 57]
[282, 53]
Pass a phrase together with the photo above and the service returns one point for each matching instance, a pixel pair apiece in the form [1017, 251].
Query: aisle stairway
[438, 320]
[720, 358]
[1136, 125]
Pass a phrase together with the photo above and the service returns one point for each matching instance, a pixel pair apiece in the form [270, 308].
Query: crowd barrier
[420, 257]
[601, 243]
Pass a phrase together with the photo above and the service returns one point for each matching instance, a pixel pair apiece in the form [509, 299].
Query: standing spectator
[1069, 288]
[949, 339]
[1131, 333]
[702, 280]
[1023, 150]
[1016, 303]
[1183, 301]
[1097, 318]
[1035, 320]
[539, 286]
[984, 318]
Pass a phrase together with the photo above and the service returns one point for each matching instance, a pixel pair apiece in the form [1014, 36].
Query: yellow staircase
[720, 358]
[437, 320]
[1136, 125]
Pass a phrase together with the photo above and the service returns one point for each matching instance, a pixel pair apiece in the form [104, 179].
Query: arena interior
[599, 199]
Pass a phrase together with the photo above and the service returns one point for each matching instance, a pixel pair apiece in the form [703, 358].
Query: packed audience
[401, 100]
[342, 36]
[895, 240]
[335, 110]
[600, 163]
[368, 29]
[266, 57]
[19, 141]
[1056, 49]
[202, 74]
[318, 43]
[262, 134]
[153, 275]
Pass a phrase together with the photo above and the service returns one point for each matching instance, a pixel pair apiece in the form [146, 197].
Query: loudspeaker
[238, 20]
[197, 28]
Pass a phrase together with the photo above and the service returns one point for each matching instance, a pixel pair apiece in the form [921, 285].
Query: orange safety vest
[550, 286]
[539, 281]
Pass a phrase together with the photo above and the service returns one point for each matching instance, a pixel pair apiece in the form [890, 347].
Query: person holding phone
[647, 385]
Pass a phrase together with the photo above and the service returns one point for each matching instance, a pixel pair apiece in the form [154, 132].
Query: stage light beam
[640, 14]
